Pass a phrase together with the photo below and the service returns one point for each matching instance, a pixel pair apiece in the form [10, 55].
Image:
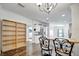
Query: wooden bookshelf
[7, 27]
[13, 36]
[21, 31]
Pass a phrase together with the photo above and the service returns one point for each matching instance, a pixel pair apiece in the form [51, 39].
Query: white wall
[75, 27]
[4, 14]
[75, 21]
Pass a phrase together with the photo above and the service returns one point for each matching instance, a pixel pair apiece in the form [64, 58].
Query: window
[30, 32]
[60, 33]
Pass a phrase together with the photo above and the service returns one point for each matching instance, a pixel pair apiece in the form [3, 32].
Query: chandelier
[47, 7]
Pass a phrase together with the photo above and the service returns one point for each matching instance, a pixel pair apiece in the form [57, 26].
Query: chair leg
[50, 52]
[41, 52]
[56, 54]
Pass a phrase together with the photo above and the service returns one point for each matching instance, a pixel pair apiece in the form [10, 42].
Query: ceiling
[31, 11]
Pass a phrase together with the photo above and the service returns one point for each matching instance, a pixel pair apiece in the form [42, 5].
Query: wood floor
[31, 49]
[35, 50]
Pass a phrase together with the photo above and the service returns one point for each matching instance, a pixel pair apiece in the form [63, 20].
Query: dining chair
[67, 47]
[45, 47]
[57, 46]
[63, 48]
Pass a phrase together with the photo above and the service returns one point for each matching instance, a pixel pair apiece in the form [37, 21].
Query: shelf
[20, 38]
[4, 20]
[20, 35]
[8, 35]
[9, 30]
[8, 25]
[9, 44]
[20, 31]
[21, 28]
[8, 40]
[21, 41]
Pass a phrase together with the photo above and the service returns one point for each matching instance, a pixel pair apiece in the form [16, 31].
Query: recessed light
[47, 18]
[63, 15]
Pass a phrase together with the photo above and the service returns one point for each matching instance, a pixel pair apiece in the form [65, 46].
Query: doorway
[29, 33]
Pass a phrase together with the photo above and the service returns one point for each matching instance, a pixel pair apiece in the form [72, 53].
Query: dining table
[75, 41]
[75, 51]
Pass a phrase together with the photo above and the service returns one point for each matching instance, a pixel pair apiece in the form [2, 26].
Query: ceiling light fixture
[63, 15]
[46, 7]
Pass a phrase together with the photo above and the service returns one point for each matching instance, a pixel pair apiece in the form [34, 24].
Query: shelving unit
[21, 38]
[8, 35]
[13, 36]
